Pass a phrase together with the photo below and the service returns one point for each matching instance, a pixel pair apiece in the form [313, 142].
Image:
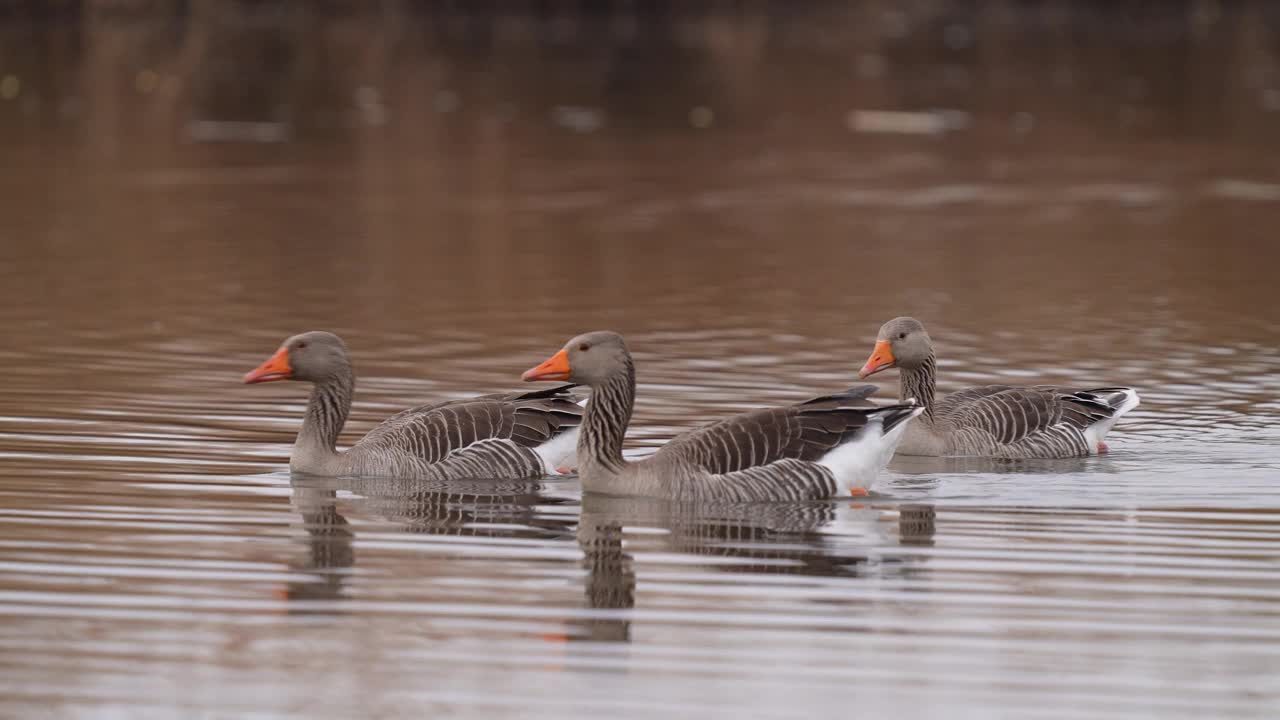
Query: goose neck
[919, 383]
[604, 424]
[327, 412]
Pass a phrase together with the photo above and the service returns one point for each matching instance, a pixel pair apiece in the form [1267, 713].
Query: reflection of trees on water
[421, 131]
[163, 68]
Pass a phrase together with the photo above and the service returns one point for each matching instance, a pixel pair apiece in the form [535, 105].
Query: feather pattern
[494, 436]
[785, 453]
[500, 436]
[805, 431]
[1005, 421]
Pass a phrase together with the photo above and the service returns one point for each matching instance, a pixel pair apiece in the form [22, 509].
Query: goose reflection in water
[477, 508]
[916, 524]
[753, 538]
[329, 545]
[503, 509]
[750, 538]
[745, 532]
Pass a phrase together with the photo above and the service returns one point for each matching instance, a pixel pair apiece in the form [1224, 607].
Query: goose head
[588, 359]
[902, 343]
[313, 356]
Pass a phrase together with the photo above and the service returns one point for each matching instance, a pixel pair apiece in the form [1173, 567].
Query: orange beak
[881, 359]
[555, 368]
[275, 368]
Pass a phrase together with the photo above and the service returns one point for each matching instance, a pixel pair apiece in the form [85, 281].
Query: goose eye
[902, 336]
[584, 347]
[301, 345]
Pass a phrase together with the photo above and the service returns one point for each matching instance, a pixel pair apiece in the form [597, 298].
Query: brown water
[456, 196]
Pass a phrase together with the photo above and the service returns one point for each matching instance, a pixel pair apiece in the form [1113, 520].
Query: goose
[819, 448]
[1000, 421]
[504, 436]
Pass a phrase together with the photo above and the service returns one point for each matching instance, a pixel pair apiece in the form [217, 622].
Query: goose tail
[1121, 400]
[857, 462]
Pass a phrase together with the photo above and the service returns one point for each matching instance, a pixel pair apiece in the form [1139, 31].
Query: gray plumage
[796, 452]
[994, 420]
[507, 435]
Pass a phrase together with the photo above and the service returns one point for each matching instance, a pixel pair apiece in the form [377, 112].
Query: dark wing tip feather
[805, 431]
[895, 415]
[1090, 404]
[547, 393]
[853, 394]
[545, 414]
[1113, 397]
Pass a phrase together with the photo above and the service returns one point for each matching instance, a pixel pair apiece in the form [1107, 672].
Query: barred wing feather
[806, 431]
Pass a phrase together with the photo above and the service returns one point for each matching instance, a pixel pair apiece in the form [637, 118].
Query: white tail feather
[1095, 433]
[857, 463]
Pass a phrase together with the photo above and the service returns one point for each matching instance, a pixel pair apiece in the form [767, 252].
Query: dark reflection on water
[329, 541]
[1078, 193]
[610, 582]
[782, 539]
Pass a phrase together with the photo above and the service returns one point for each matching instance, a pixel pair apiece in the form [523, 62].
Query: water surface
[457, 202]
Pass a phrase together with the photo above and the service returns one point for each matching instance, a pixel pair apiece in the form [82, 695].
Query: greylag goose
[993, 420]
[517, 435]
[814, 449]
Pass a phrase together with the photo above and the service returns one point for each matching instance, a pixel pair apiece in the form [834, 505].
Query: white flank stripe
[559, 452]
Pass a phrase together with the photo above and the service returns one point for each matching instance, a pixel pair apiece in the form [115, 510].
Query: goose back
[778, 453]
[489, 436]
[1029, 422]
[804, 431]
